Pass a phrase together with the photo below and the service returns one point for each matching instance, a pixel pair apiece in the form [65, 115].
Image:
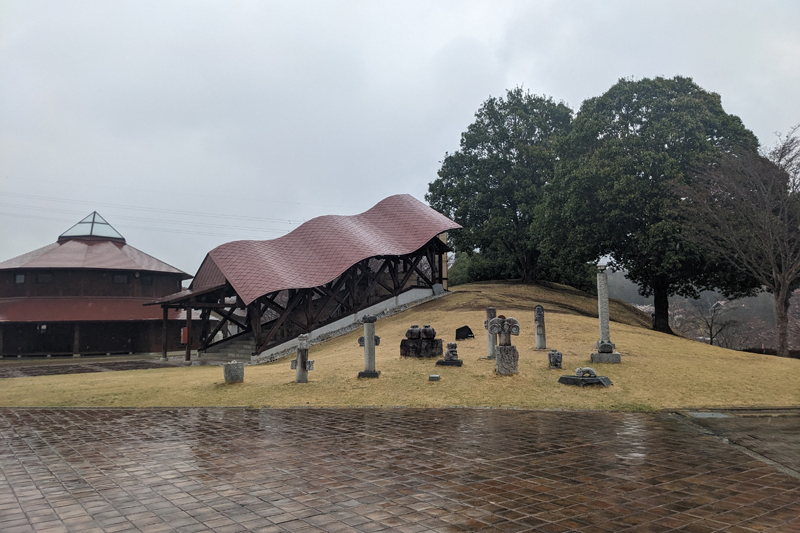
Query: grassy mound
[658, 371]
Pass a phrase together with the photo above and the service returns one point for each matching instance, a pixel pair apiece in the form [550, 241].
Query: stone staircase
[237, 349]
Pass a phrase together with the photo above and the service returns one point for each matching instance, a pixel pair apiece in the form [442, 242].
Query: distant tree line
[653, 174]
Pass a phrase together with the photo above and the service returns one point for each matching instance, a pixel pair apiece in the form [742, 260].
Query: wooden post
[76, 340]
[1, 341]
[164, 331]
[188, 356]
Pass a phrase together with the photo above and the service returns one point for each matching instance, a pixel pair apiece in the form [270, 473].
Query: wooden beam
[274, 329]
[164, 331]
[223, 320]
[188, 355]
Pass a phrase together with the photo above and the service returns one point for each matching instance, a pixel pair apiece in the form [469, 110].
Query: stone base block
[507, 362]
[369, 374]
[421, 348]
[234, 372]
[613, 357]
[452, 362]
[582, 381]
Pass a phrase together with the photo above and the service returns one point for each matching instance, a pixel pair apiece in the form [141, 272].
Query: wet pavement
[406, 470]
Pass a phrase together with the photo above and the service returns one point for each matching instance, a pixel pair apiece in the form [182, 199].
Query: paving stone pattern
[41, 369]
[364, 470]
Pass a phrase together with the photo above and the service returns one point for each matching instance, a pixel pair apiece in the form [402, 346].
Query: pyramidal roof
[92, 226]
[91, 243]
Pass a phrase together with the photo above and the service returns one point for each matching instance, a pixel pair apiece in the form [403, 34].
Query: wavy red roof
[322, 248]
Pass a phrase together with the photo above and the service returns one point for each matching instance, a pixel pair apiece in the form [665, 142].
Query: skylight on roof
[92, 226]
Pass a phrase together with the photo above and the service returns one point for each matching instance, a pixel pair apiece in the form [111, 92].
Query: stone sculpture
[538, 325]
[369, 347]
[491, 338]
[421, 342]
[301, 364]
[585, 376]
[450, 356]
[605, 348]
[554, 358]
[463, 333]
[507, 357]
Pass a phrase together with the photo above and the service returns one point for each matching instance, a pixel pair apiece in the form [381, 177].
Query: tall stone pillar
[538, 325]
[369, 347]
[605, 348]
[302, 365]
[491, 338]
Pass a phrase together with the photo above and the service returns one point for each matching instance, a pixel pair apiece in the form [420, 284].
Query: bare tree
[747, 209]
[706, 318]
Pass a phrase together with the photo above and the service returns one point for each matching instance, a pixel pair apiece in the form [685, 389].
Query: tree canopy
[493, 184]
[613, 189]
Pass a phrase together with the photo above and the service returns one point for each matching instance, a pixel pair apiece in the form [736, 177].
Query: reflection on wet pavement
[404, 470]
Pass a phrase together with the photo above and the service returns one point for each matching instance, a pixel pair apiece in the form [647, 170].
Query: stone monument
[605, 348]
[369, 347]
[421, 342]
[507, 357]
[538, 325]
[450, 356]
[301, 364]
[585, 376]
[491, 338]
[554, 358]
[234, 372]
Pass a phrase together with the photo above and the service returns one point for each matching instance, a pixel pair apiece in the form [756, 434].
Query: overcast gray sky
[191, 124]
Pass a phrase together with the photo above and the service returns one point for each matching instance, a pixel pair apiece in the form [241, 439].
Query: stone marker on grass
[234, 372]
[302, 365]
[554, 357]
[507, 360]
[538, 325]
[605, 348]
[585, 376]
[450, 356]
[369, 347]
[421, 342]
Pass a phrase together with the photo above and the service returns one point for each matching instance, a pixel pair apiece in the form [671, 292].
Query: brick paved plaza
[407, 470]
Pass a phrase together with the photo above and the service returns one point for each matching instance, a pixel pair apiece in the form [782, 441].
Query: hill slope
[658, 371]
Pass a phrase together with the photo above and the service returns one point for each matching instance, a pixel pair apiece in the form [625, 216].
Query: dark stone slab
[369, 373]
[464, 332]
[585, 380]
[454, 362]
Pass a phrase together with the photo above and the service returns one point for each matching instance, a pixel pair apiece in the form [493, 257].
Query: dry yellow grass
[658, 371]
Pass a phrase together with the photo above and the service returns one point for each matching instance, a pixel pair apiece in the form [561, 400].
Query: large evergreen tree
[613, 192]
[493, 183]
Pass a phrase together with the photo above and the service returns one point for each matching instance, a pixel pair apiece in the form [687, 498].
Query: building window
[41, 328]
[19, 278]
[44, 277]
[147, 280]
[120, 279]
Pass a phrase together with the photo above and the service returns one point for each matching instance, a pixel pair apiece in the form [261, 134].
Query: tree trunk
[782, 321]
[529, 266]
[661, 304]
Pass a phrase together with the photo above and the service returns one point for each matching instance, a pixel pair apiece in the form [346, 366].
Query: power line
[159, 230]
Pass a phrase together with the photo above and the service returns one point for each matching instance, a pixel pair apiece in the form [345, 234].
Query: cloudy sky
[190, 124]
